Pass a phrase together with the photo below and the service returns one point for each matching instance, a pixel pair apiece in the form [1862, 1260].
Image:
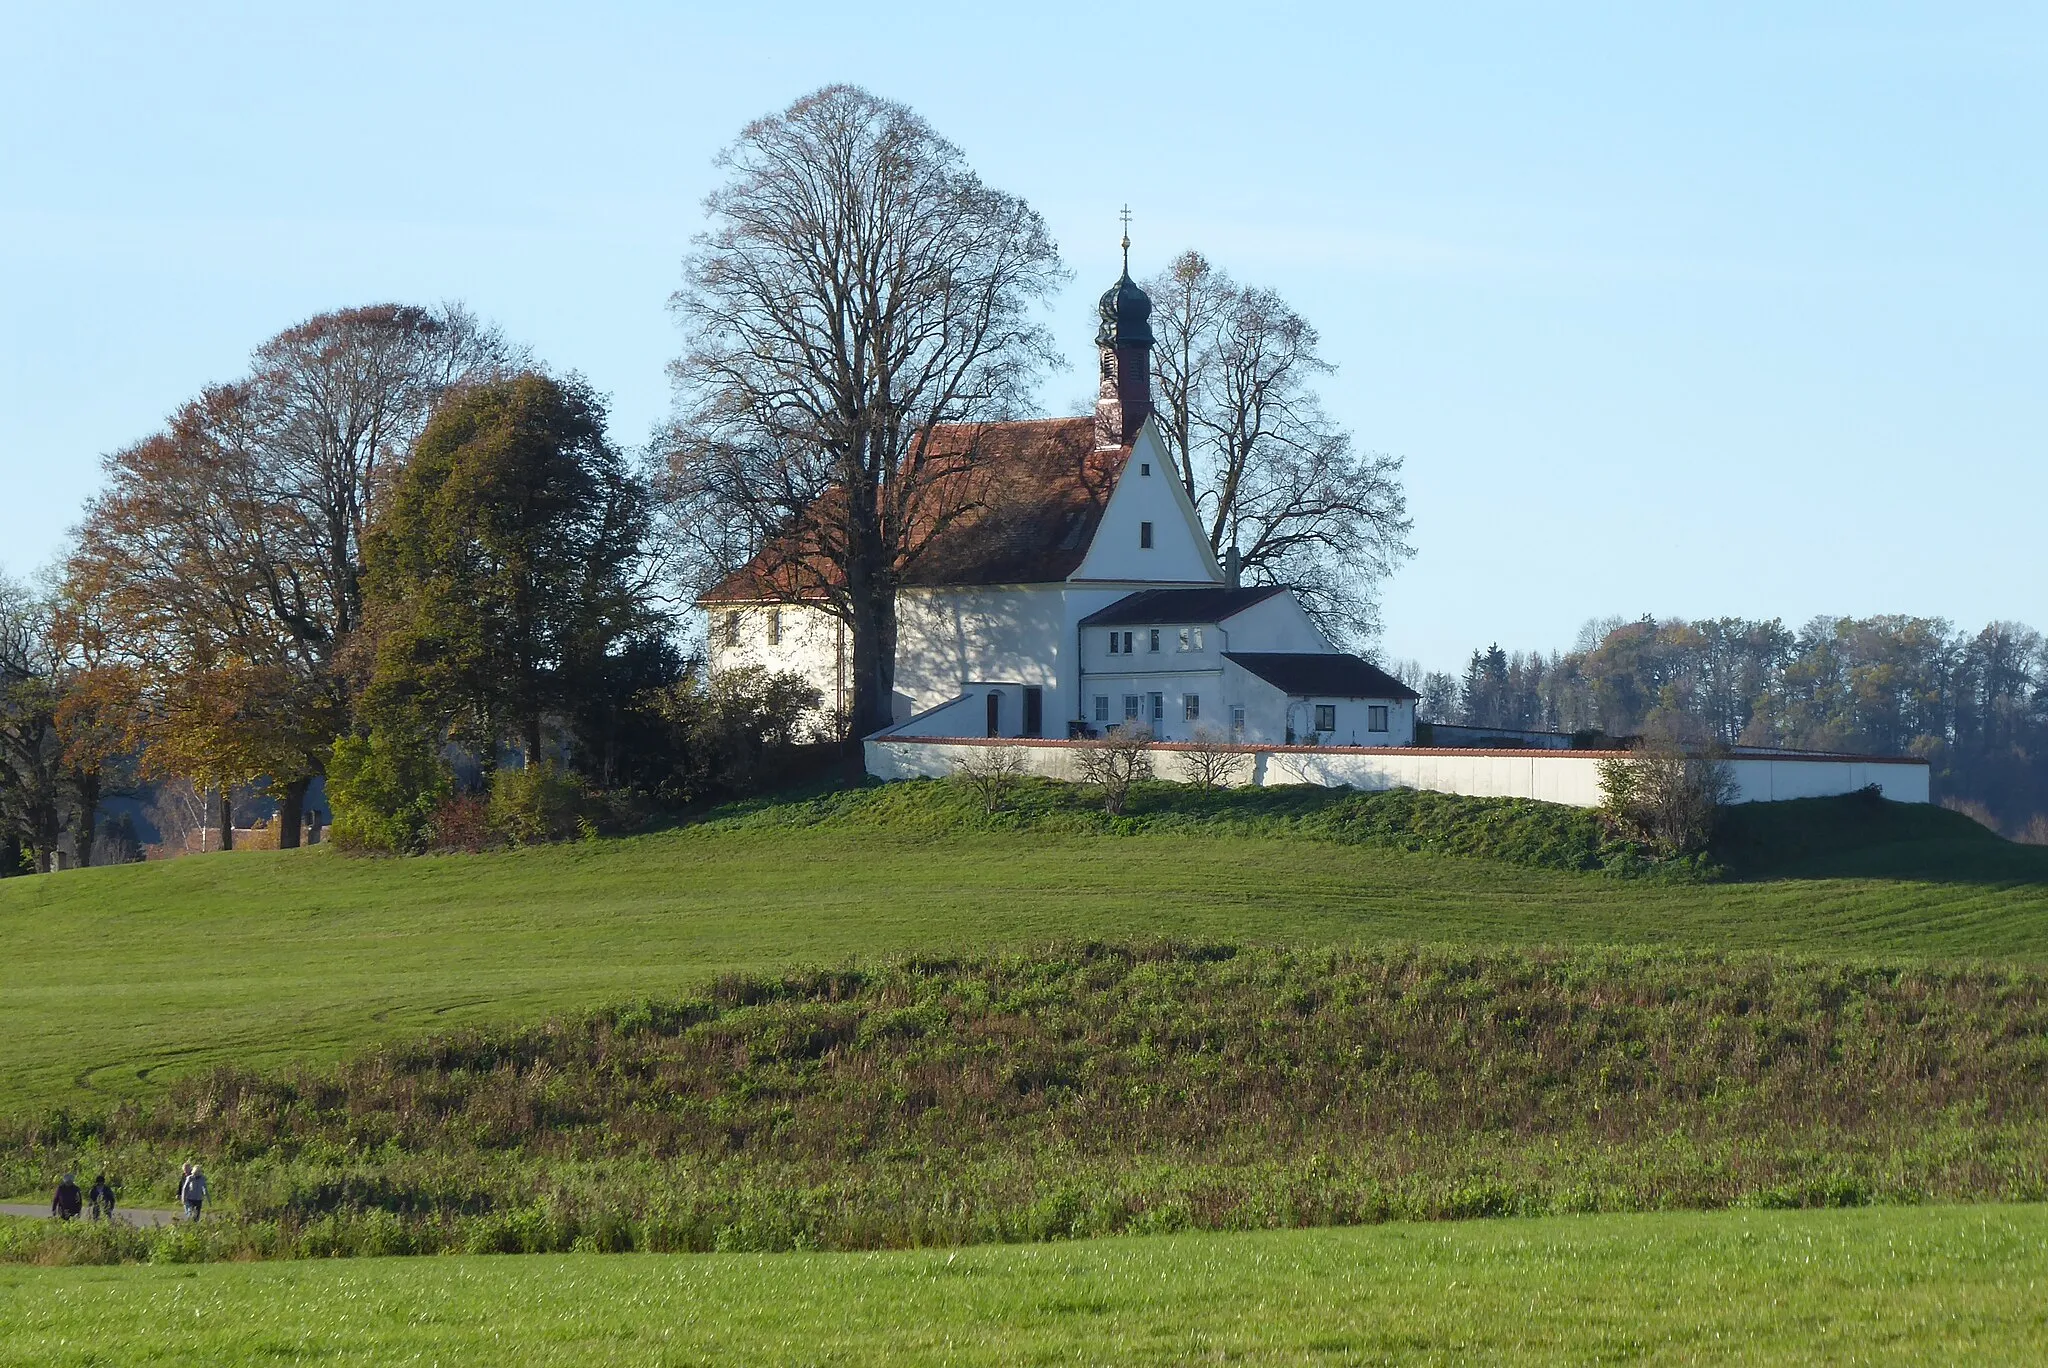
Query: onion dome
[1126, 314]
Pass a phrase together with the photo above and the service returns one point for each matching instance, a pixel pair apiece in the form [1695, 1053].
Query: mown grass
[114, 980]
[1881, 1285]
[1105, 1089]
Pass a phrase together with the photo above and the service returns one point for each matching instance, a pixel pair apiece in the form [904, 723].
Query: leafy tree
[858, 285]
[232, 540]
[501, 576]
[1268, 469]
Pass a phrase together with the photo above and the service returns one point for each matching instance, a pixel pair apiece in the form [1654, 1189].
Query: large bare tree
[222, 568]
[858, 286]
[1270, 472]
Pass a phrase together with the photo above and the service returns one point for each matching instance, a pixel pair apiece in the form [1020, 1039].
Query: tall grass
[1093, 1089]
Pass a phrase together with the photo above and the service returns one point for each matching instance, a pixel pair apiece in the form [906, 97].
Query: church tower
[1124, 400]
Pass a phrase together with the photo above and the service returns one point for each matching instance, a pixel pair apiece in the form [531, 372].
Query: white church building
[1075, 591]
[1081, 594]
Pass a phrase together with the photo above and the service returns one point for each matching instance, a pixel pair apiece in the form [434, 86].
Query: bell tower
[1124, 341]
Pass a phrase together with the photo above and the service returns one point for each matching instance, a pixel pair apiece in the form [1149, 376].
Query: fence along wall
[1570, 777]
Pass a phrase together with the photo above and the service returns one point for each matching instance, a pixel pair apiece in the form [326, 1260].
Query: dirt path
[135, 1216]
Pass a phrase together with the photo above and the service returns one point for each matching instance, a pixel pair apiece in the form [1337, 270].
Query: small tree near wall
[1671, 795]
[1111, 765]
[992, 772]
[1211, 761]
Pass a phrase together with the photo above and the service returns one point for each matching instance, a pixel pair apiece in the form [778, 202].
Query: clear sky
[1684, 309]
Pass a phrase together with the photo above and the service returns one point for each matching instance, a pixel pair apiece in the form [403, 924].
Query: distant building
[1080, 593]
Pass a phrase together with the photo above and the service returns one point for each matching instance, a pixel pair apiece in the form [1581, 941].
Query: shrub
[384, 789]
[1672, 795]
[534, 805]
[463, 822]
[992, 772]
[1210, 762]
[1111, 765]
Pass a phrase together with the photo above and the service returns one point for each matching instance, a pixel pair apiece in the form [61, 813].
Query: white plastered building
[1080, 593]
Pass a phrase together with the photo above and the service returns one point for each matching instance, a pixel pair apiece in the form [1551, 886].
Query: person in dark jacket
[192, 1192]
[66, 1204]
[102, 1198]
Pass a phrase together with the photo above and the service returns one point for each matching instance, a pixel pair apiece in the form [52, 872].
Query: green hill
[113, 980]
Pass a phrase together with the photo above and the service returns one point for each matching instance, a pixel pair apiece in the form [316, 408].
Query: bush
[463, 822]
[1122, 757]
[534, 805]
[384, 789]
[1671, 795]
[992, 772]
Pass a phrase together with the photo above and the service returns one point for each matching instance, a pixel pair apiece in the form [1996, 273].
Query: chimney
[1124, 341]
[1233, 569]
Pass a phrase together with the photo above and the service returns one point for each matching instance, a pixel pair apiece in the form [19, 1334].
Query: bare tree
[1211, 761]
[1121, 758]
[993, 772]
[1270, 472]
[858, 286]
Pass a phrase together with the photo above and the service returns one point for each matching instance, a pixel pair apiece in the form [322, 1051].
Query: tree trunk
[291, 813]
[227, 818]
[87, 784]
[873, 630]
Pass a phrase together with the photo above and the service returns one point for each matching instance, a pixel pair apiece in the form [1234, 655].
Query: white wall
[809, 646]
[1173, 687]
[1279, 623]
[947, 637]
[1571, 778]
[1180, 552]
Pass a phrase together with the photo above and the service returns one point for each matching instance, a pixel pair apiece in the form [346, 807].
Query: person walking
[102, 1198]
[192, 1192]
[65, 1204]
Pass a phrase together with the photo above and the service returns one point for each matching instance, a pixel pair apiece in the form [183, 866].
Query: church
[1076, 592]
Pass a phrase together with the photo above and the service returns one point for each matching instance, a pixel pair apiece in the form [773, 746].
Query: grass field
[1925, 1284]
[113, 979]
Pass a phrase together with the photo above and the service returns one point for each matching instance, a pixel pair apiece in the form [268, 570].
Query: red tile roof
[1026, 509]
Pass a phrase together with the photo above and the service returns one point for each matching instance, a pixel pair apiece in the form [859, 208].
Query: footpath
[142, 1217]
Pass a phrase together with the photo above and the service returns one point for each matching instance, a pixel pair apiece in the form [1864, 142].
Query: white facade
[1026, 647]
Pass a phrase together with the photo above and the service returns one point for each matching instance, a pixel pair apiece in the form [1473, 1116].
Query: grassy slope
[112, 978]
[1805, 1287]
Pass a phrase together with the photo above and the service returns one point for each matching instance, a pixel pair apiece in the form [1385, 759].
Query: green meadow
[1886, 1285]
[114, 980]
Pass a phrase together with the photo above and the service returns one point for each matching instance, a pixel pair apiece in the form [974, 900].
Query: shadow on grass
[1862, 836]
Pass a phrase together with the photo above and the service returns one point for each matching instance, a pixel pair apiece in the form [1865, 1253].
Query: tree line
[401, 558]
[1974, 705]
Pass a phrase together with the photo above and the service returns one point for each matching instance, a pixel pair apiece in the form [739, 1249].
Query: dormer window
[1145, 536]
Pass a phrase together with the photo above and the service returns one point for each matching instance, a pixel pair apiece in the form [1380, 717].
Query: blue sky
[1678, 309]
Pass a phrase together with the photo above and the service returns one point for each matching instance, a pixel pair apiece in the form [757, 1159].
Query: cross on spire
[1126, 217]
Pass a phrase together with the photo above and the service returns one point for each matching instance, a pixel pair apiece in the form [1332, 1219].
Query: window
[1159, 707]
[1153, 642]
[1131, 702]
[774, 626]
[1145, 536]
[1376, 717]
[1198, 638]
[1191, 638]
[1127, 643]
[1237, 721]
[1113, 649]
[1190, 707]
[732, 629]
[1144, 467]
[1326, 717]
[1102, 707]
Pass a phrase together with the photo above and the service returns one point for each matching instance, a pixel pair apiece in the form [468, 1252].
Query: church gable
[1149, 531]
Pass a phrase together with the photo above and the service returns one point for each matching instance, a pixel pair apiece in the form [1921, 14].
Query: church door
[995, 713]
